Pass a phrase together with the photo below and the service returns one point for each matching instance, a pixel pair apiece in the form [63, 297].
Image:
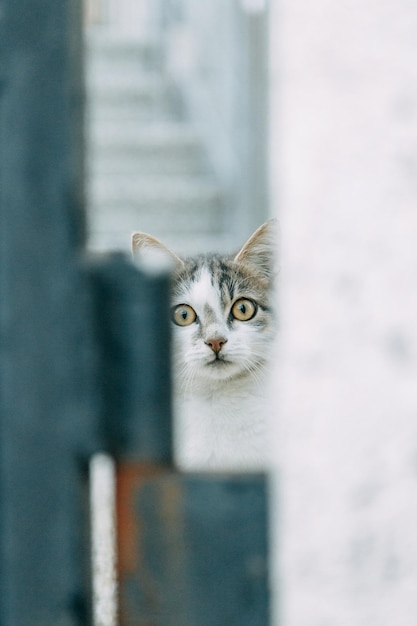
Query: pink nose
[216, 344]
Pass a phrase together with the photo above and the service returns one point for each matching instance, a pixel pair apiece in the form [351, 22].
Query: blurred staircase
[146, 168]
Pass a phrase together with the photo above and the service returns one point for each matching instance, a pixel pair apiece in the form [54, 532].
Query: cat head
[221, 309]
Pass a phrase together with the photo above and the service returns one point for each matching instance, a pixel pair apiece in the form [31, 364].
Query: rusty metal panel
[192, 548]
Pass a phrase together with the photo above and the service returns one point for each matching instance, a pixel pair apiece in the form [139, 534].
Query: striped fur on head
[216, 337]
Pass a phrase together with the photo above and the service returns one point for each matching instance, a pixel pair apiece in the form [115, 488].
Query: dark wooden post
[45, 366]
[131, 313]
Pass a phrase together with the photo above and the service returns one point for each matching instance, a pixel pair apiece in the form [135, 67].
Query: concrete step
[149, 203]
[107, 48]
[203, 220]
[178, 212]
[183, 245]
[146, 98]
[126, 81]
[125, 146]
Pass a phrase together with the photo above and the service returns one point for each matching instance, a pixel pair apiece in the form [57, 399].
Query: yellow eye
[183, 315]
[243, 309]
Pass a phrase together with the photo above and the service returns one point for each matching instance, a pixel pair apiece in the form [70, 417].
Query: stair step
[107, 135]
[106, 47]
[127, 147]
[196, 243]
[111, 90]
[165, 223]
[167, 204]
[167, 219]
[125, 80]
[138, 191]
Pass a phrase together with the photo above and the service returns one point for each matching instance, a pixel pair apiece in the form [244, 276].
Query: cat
[224, 328]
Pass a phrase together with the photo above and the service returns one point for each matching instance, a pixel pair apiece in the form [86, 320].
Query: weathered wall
[344, 172]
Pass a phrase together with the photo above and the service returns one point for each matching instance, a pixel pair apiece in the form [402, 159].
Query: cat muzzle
[216, 344]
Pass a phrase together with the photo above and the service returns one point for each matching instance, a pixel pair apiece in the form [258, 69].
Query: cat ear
[260, 249]
[143, 244]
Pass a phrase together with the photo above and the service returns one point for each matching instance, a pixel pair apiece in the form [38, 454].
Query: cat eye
[183, 315]
[244, 309]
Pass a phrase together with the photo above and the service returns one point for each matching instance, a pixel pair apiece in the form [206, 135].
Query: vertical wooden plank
[133, 338]
[44, 348]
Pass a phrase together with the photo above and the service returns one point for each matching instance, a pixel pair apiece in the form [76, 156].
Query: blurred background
[176, 122]
[205, 118]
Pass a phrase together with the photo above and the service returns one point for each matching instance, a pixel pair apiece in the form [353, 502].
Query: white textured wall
[344, 170]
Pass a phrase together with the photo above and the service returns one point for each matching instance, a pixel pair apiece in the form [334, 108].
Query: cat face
[222, 321]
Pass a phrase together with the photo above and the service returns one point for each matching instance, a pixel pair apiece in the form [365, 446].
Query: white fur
[222, 430]
[203, 292]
